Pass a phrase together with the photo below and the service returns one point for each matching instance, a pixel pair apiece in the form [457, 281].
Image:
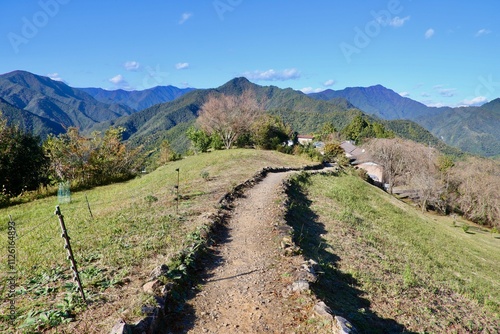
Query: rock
[158, 271]
[287, 240]
[143, 326]
[307, 272]
[292, 251]
[166, 289]
[121, 328]
[323, 311]
[148, 310]
[314, 265]
[344, 326]
[152, 287]
[300, 286]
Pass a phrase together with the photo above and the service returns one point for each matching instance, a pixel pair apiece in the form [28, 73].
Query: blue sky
[435, 52]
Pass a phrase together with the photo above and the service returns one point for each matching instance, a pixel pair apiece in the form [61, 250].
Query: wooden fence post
[88, 206]
[177, 193]
[67, 246]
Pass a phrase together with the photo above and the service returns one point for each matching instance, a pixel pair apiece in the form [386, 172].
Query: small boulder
[151, 288]
[344, 326]
[300, 286]
[323, 311]
[159, 271]
[121, 327]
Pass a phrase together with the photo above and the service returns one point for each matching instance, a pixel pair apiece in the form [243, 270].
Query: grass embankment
[390, 268]
[134, 229]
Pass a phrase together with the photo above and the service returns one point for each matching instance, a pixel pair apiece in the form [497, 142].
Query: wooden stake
[67, 246]
[88, 206]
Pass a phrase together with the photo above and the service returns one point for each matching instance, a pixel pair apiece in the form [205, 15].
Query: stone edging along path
[170, 294]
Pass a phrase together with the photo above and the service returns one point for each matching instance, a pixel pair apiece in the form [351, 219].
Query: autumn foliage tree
[229, 116]
[90, 161]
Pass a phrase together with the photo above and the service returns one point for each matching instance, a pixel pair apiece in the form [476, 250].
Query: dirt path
[243, 291]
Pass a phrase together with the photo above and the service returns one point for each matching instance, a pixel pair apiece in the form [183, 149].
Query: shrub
[333, 152]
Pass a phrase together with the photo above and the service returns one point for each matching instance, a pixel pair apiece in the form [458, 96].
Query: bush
[333, 152]
[200, 140]
[270, 133]
[216, 142]
[308, 150]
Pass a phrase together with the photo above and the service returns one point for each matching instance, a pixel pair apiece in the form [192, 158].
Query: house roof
[359, 155]
[352, 149]
[305, 136]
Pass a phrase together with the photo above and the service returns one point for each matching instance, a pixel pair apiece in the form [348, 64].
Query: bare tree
[478, 188]
[229, 116]
[411, 164]
[390, 155]
[422, 175]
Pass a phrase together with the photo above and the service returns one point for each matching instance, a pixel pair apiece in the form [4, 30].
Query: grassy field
[390, 268]
[134, 229]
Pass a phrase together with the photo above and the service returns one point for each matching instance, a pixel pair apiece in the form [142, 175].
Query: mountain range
[56, 101]
[137, 99]
[306, 115]
[472, 129]
[43, 106]
[28, 121]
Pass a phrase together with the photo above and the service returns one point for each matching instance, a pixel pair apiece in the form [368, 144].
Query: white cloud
[185, 17]
[404, 94]
[55, 76]
[434, 104]
[329, 83]
[131, 65]
[182, 66]
[398, 21]
[483, 32]
[120, 82]
[117, 79]
[425, 94]
[446, 92]
[308, 90]
[477, 101]
[429, 33]
[272, 75]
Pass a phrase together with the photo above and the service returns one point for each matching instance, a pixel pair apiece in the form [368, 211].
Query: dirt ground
[246, 286]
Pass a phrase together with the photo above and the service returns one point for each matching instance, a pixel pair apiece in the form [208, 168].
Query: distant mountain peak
[241, 83]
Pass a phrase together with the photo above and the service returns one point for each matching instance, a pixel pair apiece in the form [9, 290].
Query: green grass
[135, 228]
[388, 267]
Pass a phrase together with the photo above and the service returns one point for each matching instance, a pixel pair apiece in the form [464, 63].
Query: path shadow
[339, 290]
[183, 319]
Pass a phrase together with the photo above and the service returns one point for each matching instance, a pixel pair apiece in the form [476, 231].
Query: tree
[23, 165]
[422, 175]
[334, 153]
[390, 155]
[229, 116]
[328, 132]
[269, 132]
[167, 154]
[200, 140]
[354, 130]
[91, 161]
[360, 129]
[477, 185]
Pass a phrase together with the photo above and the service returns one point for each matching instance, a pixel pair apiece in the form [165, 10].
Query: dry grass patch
[390, 268]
